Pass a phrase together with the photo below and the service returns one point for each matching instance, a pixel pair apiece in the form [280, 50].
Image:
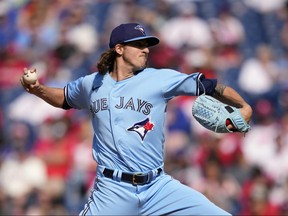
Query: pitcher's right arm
[53, 96]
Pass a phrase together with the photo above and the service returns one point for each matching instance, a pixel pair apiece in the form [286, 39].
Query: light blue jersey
[128, 116]
[128, 119]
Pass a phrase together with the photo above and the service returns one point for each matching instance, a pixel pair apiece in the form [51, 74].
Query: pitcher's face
[135, 54]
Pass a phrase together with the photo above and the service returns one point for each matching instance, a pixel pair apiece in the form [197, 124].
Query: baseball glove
[215, 115]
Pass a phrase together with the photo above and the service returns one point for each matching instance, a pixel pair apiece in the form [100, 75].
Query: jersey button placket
[114, 119]
[112, 109]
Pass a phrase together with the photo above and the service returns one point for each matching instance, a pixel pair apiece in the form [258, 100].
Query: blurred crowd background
[46, 166]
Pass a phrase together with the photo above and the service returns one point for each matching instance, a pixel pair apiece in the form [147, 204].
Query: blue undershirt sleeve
[208, 86]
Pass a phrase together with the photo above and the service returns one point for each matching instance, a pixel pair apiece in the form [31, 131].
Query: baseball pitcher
[127, 102]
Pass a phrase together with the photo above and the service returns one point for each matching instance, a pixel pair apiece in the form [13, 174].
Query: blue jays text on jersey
[137, 105]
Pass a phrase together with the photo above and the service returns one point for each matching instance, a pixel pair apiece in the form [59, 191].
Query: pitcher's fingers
[25, 86]
[25, 70]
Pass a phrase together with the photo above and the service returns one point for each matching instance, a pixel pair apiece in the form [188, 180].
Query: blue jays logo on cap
[142, 127]
[140, 28]
[129, 32]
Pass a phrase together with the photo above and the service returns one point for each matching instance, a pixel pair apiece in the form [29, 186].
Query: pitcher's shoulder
[92, 80]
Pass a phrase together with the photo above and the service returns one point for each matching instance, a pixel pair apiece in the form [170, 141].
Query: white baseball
[30, 78]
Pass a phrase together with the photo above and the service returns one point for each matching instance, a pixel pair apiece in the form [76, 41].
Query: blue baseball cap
[130, 32]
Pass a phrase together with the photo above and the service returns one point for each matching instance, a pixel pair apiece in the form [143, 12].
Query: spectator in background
[272, 158]
[166, 56]
[11, 62]
[220, 187]
[229, 34]
[8, 17]
[279, 196]
[265, 6]
[38, 27]
[227, 30]
[78, 30]
[54, 147]
[259, 75]
[156, 15]
[81, 175]
[119, 12]
[283, 59]
[190, 36]
[255, 195]
[186, 29]
[21, 173]
[78, 39]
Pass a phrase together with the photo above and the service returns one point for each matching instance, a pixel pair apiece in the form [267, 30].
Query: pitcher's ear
[119, 48]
